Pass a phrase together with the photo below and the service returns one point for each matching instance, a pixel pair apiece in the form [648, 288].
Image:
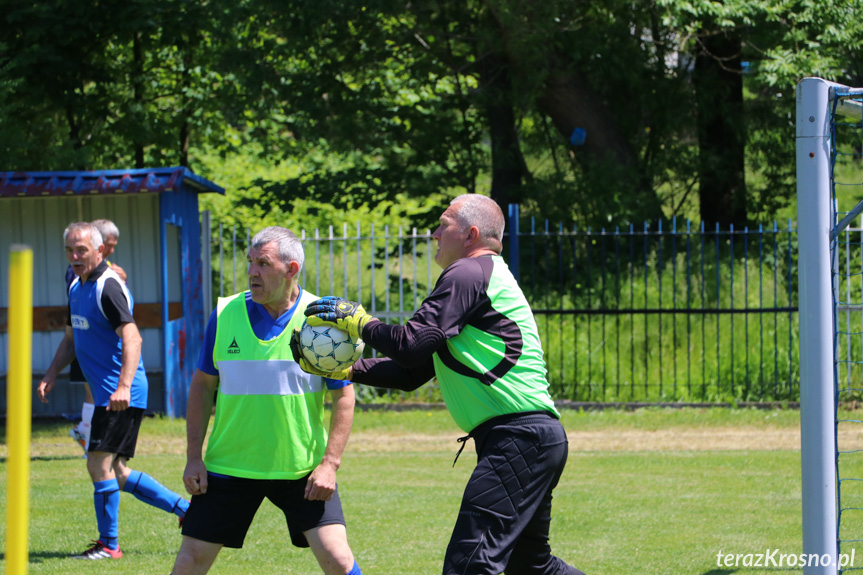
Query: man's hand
[308, 367]
[45, 387]
[347, 315]
[62, 357]
[321, 483]
[195, 477]
[119, 400]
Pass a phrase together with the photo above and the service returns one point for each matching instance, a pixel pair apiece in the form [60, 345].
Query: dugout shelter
[160, 247]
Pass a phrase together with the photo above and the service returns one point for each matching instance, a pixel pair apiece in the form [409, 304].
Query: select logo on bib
[234, 348]
[80, 322]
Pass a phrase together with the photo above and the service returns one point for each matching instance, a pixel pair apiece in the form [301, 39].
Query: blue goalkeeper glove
[306, 366]
[347, 315]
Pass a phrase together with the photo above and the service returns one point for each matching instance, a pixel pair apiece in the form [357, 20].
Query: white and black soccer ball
[329, 348]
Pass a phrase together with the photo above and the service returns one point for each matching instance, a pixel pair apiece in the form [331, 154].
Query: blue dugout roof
[146, 180]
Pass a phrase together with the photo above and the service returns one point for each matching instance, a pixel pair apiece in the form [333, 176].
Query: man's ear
[472, 235]
[293, 268]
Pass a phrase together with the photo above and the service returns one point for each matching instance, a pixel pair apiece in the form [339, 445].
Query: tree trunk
[186, 107]
[608, 161]
[185, 135]
[606, 154]
[570, 105]
[74, 133]
[138, 95]
[508, 170]
[718, 83]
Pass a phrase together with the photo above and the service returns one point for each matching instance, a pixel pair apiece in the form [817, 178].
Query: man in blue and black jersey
[101, 333]
[476, 333]
[110, 235]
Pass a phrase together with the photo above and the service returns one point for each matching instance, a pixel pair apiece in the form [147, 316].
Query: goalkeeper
[476, 333]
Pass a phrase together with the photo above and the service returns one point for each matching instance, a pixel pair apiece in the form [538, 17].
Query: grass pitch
[654, 491]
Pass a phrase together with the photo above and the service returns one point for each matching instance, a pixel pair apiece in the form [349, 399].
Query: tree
[104, 92]
[372, 103]
[718, 85]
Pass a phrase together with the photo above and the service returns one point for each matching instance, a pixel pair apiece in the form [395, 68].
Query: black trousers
[505, 514]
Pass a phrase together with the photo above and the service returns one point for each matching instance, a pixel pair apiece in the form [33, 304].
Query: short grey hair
[95, 234]
[290, 248]
[484, 213]
[107, 228]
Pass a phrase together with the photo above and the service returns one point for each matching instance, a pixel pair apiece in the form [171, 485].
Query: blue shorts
[224, 513]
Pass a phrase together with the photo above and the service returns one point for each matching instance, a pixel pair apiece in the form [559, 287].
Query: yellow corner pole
[19, 385]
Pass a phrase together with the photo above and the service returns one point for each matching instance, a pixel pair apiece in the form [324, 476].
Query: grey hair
[484, 213]
[95, 234]
[107, 228]
[290, 247]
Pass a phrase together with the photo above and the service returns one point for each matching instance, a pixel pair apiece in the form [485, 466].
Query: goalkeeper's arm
[409, 350]
[386, 373]
[410, 345]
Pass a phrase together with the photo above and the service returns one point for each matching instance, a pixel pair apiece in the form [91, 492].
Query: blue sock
[355, 570]
[150, 491]
[106, 499]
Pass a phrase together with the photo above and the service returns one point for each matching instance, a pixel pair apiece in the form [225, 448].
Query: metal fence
[655, 312]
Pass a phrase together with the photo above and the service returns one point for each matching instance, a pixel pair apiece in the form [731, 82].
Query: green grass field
[654, 491]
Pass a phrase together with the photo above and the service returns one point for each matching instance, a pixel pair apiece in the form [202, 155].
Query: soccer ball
[329, 348]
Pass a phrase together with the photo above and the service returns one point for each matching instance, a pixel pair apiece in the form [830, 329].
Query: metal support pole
[513, 241]
[817, 394]
[18, 410]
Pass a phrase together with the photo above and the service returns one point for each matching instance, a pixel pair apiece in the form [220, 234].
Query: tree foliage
[327, 107]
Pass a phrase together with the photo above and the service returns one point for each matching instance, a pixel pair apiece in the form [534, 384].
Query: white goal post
[819, 228]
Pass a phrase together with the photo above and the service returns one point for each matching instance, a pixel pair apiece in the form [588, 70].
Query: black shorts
[115, 431]
[75, 373]
[225, 512]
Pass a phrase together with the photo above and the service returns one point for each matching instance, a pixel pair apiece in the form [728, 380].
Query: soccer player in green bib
[475, 332]
[268, 439]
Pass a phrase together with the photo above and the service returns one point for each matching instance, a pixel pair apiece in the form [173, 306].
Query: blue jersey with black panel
[97, 307]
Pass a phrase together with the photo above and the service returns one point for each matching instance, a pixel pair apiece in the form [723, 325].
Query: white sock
[84, 426]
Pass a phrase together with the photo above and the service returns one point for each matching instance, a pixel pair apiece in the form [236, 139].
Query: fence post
[513, 241]
[207, 262]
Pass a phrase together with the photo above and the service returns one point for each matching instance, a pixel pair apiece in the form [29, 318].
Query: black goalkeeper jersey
[477, 334]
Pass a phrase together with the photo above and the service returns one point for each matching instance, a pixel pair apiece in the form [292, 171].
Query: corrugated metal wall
[40, 224]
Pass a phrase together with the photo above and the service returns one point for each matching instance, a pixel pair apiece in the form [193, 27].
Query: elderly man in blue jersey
[475, 332]
[110, 234]
[268, 438]
[101, 333]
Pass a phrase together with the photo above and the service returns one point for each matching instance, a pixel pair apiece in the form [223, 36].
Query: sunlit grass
[637, 509]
